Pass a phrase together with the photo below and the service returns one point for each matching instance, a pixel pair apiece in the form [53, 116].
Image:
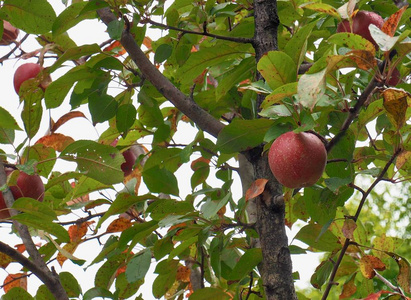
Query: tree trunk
[276, 267]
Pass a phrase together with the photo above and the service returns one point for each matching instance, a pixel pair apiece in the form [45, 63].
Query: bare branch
[203, 33]
[203, 119]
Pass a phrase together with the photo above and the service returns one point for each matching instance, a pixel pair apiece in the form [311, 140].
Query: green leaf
[309, 234]
[296, 47]
[164, 207]
[17, 293]
[138, 266]
[43, 293]
[321, 274]
[43, 224]
[161, 180]
[183, 246]
[70, 284]
[75, 53]
[115, 29]
[98, 292]
[239, 73]
[102, 107]
[209, 293]
[100, 162]
[311, 87]
[351, 41]
[211, 207]
[208, 57]
[149, 112]
[36, 208]
[285, 91]
[43, 154]
[324, 8]
[104, 276]
[32, 110]
[125, 117]
[58, 89]
[7, 121]
[248, 261]
[125, 289]
[241, 135]
[35, 17]
[121, 204]
[137, 232]
[277, 69]
[163, 52]
[71, 16]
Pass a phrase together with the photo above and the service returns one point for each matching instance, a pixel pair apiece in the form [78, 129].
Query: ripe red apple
[395, 78]
[127, 166]
[360, 23]
[297, 159]
[10, 34]
[26, 186]
[25, 72]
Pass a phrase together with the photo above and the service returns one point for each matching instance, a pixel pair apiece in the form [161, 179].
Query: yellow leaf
[370, 263]
[396, 104]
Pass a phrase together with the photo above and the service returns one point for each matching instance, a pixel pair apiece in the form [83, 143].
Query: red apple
[127, 166]
[395, 78]
[10, 34]
[360, 23]
[297, 159]
[26, 186]
[25, 72]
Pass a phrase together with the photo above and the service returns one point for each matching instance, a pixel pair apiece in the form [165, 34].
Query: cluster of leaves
[207, 53]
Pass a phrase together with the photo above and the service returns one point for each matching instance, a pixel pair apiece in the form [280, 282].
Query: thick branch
[52, 281]
[203, 119]
[203, 33]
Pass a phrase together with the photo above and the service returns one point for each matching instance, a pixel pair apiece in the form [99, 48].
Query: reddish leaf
[147, 42]
[67, 117]
[116, 44]
[368, 264]
[76, 232]
[365, 60]
[183, 274]
[57, 141]
[349, 289]
[404, 275]
[20, 247]
[349, 228]
[376, 296]
[256, 189]
[390, 25]
[119, 225]
[15, 280]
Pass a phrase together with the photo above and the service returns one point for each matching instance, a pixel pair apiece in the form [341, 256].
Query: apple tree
[221, 81]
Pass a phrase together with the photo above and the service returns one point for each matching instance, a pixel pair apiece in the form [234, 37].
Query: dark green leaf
[75, 53]
[35, 17]
[321, 274]
[71, 16]
[137, 232]
[70, 284]
[95, 160]
[309, 234]
[43, 224]
[35, 208]
[241, 135]
[43, 293]
[164, 207]
[163, 52]
[115, 29]
[7, 121]
[125, 117]
[138, 266]
[209, 293]
[17, 293]
[102, 107]
[211, 207]
[161, 180]
[125, 289]
[98, 292]
[32, 109]
[248, 261]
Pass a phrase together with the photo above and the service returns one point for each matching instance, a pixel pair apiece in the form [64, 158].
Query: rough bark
[276, 267]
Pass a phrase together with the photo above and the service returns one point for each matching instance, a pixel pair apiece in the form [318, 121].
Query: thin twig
[355, 218]
[203, 33]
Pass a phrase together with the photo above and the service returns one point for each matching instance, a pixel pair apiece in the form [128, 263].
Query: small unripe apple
[360, 23]
[10, 33]
[25, 72]
[26, 186]
[297, 159]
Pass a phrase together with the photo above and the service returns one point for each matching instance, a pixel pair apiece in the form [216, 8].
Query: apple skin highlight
[297, 159]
